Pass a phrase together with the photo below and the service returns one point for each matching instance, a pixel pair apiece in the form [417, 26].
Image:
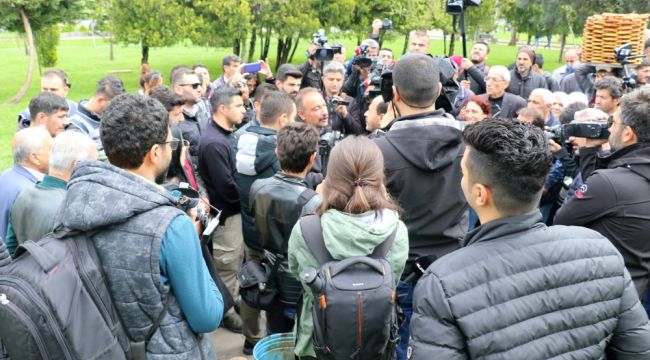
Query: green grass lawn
[86, 63]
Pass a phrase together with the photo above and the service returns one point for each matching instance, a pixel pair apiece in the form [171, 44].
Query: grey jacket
[524, 86]
[521, 290]
[131, 219]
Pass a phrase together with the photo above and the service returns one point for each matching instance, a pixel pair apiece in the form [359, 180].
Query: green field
[86, 62]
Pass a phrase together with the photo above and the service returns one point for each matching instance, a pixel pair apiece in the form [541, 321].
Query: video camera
[362, 58]
[456, 7]
[624, 56]
[324, 52]
[587, 129]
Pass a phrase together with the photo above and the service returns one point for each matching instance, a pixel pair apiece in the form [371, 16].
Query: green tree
[222, 23]
[26, 16]
[151, 23]
[47, 39]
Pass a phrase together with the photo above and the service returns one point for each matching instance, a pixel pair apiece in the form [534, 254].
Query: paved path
[229, 345]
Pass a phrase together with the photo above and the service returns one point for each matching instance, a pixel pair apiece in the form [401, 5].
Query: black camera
[456, 7]
[386, 24]
[324, 52]
[337, 102]
[587, 129]
[362, 59]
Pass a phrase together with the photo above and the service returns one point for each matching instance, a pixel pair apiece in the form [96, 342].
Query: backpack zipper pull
[3, 299]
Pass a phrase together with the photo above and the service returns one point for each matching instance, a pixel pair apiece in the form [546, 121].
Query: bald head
[31, 148]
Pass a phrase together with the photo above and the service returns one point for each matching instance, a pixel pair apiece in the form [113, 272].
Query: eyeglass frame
[173, 143]
[193, 85]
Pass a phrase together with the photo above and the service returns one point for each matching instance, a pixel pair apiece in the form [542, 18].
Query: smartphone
[252, 67]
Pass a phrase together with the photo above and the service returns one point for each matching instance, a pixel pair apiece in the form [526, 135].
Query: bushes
[47, 39]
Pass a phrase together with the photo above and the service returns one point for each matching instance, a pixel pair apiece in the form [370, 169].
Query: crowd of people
[513, 202]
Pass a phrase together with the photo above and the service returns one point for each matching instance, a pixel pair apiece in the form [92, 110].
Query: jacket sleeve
[631, 338]
[592, 201]
[217, 167]
[351, 84]
[479, 77]
[434, 332]
[583, 78]
[352, 121]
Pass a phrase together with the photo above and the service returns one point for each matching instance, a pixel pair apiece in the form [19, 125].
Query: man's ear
[482, 195]
[396, 96]
[439, 88]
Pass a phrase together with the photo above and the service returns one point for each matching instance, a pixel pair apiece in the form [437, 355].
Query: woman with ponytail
[357, 214]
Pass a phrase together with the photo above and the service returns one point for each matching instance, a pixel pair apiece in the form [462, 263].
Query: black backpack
[355, 308]
[55, 304]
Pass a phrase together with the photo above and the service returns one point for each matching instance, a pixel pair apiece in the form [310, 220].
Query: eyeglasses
[193, 85]
[173, 143]
[186, 143]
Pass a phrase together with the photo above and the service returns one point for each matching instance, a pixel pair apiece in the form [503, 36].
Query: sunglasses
[173, 143]
[194, 85]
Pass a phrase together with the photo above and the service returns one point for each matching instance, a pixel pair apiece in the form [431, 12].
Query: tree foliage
[47, 39]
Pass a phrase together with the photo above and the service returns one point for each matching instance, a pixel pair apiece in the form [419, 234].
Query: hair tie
[358, 182]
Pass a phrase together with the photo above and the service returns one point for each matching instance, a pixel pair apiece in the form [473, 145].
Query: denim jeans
[646, 302]
[405, 301]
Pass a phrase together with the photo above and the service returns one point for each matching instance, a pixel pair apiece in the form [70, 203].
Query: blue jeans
[405, 301]
[646, 302]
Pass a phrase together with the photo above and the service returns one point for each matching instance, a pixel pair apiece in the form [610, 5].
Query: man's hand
[466, 63]
[266, 69]
[376, 26]
[341, 109]
[595, 142]
[465, 84]
[553, 146]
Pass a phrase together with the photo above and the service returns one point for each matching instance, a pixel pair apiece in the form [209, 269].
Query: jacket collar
[290, 179]
[633, 154]
[503, 227]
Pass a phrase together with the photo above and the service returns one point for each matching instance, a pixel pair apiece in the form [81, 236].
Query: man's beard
[162, 177]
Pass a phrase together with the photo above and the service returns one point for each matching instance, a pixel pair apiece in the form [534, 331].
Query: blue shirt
[183, 267]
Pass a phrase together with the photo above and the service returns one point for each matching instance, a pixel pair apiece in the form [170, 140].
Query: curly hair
[296, 143]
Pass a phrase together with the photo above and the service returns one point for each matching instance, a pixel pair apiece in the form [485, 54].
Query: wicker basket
[604, 33]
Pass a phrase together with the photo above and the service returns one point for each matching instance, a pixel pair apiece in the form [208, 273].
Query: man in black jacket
[422, 152]
[523, 80]
[216, 170]
[615, 198]
[277, 203]
[503, 104]
[518, 288]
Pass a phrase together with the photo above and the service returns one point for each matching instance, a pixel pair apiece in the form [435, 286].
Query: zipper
[90, 286]
[359, 321]
[33, 296]
[31, 327]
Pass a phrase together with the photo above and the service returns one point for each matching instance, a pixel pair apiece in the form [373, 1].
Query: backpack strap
[313, 235]
[382, 249]
[139, 348]
[305, 196]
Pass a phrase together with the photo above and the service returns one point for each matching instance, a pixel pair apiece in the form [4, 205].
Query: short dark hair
[538, 120]
[130, 126]
[635, 113]
[416, 78]
[382, 107]
[296, 143]
[611, 83]
[286, 70]
[568, 114]
[223, 96]
[539, 60]
[48, 103]
[274, 104]
[510, 157]
[228, 59]
[642, 64]
[386, 49]
[487, 46]
[261, 90]
[177, 73]
[196, 66]
[167, 98]
[58, 73]
[109, 87]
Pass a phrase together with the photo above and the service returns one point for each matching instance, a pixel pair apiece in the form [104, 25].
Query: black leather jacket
[277, 203]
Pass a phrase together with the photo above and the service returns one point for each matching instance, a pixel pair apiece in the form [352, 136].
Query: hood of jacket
[428, 142]
[101, 194]
[256, 151]
[635, 157]
[356, 233]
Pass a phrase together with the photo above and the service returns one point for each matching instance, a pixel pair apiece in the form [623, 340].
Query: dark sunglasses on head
[194, 85]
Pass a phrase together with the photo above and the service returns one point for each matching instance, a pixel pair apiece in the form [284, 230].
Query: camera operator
[343, 110]
[356, 85]
[311, 76]
[475, 68]
[422, 153]
[615, 199]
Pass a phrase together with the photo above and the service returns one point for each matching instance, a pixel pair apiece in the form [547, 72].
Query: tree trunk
[267, 44]
[562, 45]
[452, 44]
[236, 47]
[406, 44]
[530, 37]
[295, 46]
[278, 53]
[251, 45]
[111, 55]
[513, 36]
[145, 54]
[444, 40]
[30, 70]
[244, 50]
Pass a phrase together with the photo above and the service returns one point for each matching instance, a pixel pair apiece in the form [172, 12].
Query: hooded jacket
[345, 235]
[521, 290]
[254, 158]
[422, 156]
[615, 201]
[127, 218]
